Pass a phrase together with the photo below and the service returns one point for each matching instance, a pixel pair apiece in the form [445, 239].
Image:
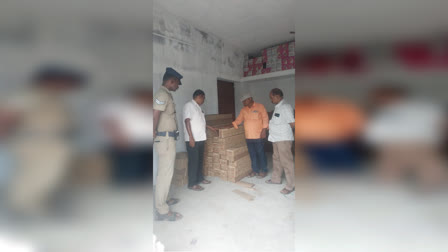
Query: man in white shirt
[406, 134]
[195, 136]
[128, 127]
[282, 138]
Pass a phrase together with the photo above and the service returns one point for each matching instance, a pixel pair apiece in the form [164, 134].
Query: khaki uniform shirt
[163, 101]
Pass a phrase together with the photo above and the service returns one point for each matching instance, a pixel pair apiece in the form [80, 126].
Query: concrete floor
[353, 214]
[217, 219]
[97, 219]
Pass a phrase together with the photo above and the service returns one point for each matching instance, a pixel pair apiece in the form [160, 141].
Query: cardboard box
[213, 117]
[92, 169]
[234, 154]
[223, 162]
[244, 161]
[224, 133]
[218, 120]
[181, 160]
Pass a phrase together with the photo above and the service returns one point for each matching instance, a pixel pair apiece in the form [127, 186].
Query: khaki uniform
[41, 148]
[165, 147]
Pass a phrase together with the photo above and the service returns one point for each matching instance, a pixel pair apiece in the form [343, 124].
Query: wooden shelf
[268, 75]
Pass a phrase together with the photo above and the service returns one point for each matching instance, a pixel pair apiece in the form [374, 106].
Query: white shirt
[193, 111]
[279, 126]
[135, 120]
[410, 121]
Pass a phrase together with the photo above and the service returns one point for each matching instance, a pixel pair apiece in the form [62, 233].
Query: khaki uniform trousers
[166, 151]
[424, 161]
[41, 168]
[283, 160]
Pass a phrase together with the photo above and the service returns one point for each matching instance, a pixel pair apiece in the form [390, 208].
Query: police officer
[40, 123]
[165, 136]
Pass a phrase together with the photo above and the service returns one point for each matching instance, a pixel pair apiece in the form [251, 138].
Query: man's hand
[192, 142]
[212, 129]
[263, 134]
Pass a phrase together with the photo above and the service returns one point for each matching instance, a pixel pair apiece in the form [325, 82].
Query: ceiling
[323, 23]
[118, 10]
[256, 24]
[250, 25]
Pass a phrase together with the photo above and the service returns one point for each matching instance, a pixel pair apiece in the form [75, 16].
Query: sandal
[172, 201]
[170, 216]
[272, 183]
[262, 175]
[286, 191]
[252, 174]
[196, 188]
[206, 182]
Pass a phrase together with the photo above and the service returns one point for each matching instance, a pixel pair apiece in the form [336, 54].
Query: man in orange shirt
[328, 131]
[256, 122]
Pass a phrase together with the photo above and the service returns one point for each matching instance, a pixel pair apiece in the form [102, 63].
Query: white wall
[260, 91]
[200, 57]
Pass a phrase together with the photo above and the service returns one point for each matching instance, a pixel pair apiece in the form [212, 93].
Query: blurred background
[76, 125]
[371, 125]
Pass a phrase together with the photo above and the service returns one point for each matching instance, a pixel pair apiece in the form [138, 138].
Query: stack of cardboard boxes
[272, 59]
[226, 155]
[180, 176]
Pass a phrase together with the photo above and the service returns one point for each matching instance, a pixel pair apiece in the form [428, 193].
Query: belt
[170, 133]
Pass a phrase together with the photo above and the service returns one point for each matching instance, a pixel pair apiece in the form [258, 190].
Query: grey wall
[432, 84]
[116, 53]
[200, 57]
[260, 91]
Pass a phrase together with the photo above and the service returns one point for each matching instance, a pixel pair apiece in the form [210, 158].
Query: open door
[226, 98]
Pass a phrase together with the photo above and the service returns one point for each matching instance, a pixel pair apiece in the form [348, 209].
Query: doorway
[226, 98]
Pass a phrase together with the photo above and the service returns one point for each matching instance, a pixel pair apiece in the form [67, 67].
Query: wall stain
[230, 63]
[162, 26]
[159, 40]
[185, 30]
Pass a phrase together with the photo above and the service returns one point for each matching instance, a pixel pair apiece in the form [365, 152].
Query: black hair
[197, 93]
[277, 91]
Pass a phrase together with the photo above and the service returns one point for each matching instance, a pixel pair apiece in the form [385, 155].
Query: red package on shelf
[316, 64]
[416, 55]
[352, 61]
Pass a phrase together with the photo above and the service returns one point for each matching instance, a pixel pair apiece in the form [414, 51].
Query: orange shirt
[327, 120]
[255, 119]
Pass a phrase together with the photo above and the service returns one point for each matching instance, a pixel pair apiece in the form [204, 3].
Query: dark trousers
[195, 163]
[257, 155]
[333, 157]
[130, 165]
